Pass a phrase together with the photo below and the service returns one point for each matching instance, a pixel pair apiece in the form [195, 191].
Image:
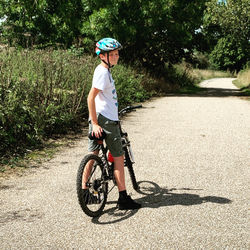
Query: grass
[205, 74]
[199, 75]
[44, 92]
[190, 90]
[64, 73]
[243, 82]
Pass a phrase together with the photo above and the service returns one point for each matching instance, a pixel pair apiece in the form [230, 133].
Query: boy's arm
[97, 130]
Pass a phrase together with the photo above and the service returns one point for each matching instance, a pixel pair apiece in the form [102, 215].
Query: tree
[152, 32]
[229, 54]
[41, 21]
[227, 26]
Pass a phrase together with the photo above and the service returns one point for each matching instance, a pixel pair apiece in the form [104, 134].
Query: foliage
[227, 28]
[152, 32]
[200, 60]
[44, 92]
[231, 16]
[203, 74]
[129, 87]
[229, 54]
[243, 80]
[44, 22]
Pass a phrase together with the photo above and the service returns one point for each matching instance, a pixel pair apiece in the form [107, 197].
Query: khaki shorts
[113, 137]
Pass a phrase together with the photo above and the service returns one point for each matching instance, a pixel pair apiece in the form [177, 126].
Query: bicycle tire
[98, 187]
[129, 165]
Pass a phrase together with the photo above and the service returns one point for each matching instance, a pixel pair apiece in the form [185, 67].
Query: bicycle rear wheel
[93, 199]
[129, 165]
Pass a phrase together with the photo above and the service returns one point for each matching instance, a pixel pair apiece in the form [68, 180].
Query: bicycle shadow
[154, 197]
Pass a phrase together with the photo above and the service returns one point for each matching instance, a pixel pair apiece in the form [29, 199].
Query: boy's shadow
[154, 197]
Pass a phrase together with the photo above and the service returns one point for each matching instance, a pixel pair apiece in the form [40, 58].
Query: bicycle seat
[93, 137]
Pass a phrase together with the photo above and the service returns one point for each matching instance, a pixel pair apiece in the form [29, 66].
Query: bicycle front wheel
[93, 199]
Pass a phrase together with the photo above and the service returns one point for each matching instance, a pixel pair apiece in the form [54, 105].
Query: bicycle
[93, 199]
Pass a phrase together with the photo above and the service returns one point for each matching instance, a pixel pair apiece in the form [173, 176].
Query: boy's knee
[118, 158]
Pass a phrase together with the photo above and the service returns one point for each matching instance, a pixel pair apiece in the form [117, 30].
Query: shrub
[244, 76]
[229, 54]
[243, 80]
[42, 93]
[128, 86]
[200, 60]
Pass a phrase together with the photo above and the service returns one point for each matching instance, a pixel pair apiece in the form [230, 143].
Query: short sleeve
[100, 79]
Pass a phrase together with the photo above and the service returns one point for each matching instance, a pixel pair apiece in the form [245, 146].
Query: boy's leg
[124, 201]
[119, 173]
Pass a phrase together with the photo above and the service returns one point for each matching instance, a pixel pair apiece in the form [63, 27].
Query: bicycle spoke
[93, 198]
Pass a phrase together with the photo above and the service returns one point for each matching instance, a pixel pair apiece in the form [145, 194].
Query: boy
[103, 114]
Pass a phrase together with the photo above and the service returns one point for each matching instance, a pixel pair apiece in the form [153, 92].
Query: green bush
[243, 80]
[44, 92]
[200, 60]
[180, 74]
[229, 54]
[128, 86]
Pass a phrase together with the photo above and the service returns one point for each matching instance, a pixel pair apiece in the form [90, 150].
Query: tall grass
[204, 74]
[243, 81]
[41, 92]
[44, 93]
[243, 78]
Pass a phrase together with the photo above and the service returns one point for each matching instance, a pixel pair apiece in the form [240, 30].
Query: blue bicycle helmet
[106, 45]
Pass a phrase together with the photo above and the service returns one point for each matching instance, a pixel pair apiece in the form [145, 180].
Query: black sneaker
[89, 197]
[127, 203]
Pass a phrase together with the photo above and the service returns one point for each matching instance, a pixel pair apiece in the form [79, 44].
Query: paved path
[193, 162]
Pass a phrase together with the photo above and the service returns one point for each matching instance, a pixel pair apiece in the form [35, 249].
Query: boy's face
[113, 57]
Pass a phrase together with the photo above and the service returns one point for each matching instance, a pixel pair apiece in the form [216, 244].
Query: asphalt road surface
[192, 164]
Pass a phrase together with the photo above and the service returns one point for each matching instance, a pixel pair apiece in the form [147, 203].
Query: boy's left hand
[97, 131]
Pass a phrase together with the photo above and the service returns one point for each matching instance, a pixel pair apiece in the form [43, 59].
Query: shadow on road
[212, 92]
[153, 196]
[113, 215]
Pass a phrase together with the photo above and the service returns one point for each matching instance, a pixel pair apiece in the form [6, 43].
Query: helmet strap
[108, 63]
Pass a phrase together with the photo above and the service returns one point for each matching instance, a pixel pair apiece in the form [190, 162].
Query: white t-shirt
[106, 101]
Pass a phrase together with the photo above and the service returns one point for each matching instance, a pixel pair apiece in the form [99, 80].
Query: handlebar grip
[129, 108]
[136, 107]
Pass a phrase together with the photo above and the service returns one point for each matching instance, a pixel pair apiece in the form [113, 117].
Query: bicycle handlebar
[129, 108]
